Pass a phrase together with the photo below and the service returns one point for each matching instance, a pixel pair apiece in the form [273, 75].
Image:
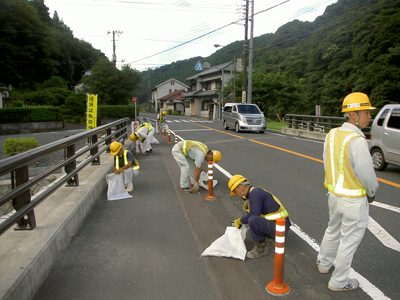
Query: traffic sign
[199, 66]
[134, 99]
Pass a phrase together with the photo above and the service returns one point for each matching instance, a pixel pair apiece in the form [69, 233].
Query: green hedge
[18, 145]
[30, 114]
[116, 111]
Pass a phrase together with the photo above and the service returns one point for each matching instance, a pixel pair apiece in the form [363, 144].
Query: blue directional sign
[199, 66]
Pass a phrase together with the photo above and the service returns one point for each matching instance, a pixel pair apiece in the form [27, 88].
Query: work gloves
[195, 188]
[370, 199]
[237, 223]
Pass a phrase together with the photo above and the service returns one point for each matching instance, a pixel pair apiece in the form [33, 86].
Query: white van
[242, 116]
[385, 137]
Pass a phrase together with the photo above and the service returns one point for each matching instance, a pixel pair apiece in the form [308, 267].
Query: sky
[153, 33]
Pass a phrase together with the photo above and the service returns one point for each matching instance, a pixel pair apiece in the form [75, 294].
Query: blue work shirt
[261, 203]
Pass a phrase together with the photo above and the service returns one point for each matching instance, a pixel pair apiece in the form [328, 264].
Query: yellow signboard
[91, 111]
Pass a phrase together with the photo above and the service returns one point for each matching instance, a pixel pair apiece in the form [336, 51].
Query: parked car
[242, 116]
[385, 137]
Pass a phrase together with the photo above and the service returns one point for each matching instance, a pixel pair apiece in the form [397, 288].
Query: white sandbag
[203, 181]
[116, 189]
[153, 140]
[231, 244]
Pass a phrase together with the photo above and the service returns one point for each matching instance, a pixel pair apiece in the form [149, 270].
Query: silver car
[242, 116]
[385, 137]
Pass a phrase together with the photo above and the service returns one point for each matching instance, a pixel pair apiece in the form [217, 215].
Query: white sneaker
[351, 286]
[129, 188]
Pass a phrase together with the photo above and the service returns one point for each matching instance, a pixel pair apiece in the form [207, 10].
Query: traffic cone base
[278, 290]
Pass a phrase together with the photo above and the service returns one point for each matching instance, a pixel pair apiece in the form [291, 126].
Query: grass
[274, 125]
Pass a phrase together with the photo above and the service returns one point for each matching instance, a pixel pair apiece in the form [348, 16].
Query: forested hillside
[34, 46]
[353, 46]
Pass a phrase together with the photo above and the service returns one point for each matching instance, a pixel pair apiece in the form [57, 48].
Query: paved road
[148, 247]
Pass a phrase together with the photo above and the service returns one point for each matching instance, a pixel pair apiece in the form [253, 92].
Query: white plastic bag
[203, 181]
[231, 244]
[116, 189]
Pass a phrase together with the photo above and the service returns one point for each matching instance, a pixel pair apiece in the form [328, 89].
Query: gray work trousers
[186, 164]
[129, 174]
[348, 219]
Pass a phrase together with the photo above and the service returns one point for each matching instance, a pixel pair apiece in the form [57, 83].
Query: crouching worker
[263, 210]
[189, 156]
[125, 164]
[143, 137]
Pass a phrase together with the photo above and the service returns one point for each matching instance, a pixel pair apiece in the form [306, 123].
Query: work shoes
[259, 250]
[187, 190]
[351, 286]
[129, 188]
[322, 271]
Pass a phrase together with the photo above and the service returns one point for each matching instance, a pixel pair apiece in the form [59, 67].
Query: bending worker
[263, 209]
[143, 137]
[125, 164]
[190, 155]
[161, 120]
[351, 182]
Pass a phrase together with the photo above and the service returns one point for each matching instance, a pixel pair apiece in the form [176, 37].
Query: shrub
[17, 103]
[18, 145]
[169, 111]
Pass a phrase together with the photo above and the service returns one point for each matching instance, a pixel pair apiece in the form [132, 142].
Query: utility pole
[245, 54]
[114, 57]
[250, 85]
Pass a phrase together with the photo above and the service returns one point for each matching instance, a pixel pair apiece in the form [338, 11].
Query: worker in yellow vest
[161, 120]
[351, 182]
[263, 209]
[125, 164]
[143, 137]
[190, 155]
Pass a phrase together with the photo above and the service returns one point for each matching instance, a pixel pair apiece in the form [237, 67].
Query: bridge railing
[318, 123]
[99, 140]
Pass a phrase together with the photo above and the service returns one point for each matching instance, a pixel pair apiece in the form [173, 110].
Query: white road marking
[365, 285]
[382, 235]
[319, 142]
[385, 206]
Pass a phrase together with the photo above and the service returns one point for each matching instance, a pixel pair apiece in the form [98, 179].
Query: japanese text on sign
[91, 111]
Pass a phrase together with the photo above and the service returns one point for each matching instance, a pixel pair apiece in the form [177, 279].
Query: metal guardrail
[318, 124]
[18, 164]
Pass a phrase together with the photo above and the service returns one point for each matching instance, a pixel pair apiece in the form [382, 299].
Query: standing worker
[263, 209]
[351, 182]
[161, 120]
[124, 163]
[143, 136]
[190, 155]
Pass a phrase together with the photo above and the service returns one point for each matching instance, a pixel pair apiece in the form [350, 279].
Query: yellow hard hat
[115, 147]
[216, 156]
[164, 113]
[132, 137]
[234, 182]
[356, 101]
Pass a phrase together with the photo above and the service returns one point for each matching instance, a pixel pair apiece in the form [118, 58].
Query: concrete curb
[304, 133]
[27, 257]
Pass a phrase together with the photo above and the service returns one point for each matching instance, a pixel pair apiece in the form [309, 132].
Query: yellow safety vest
[186, 145]
[144, 125]
[340, 179]
[280, 213]
[135, 167]
[161, 119]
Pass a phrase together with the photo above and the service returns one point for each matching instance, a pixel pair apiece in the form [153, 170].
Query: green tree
[113, 86]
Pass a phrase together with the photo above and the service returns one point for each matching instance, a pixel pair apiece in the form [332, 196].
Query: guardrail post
[74, 180]
[210, 195]
[28, 222]
[94, 151]
[108, 141]
[278, 287]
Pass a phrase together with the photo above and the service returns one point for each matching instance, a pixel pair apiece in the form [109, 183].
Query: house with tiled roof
[163, 89]
[204, 98]
[174, 102]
